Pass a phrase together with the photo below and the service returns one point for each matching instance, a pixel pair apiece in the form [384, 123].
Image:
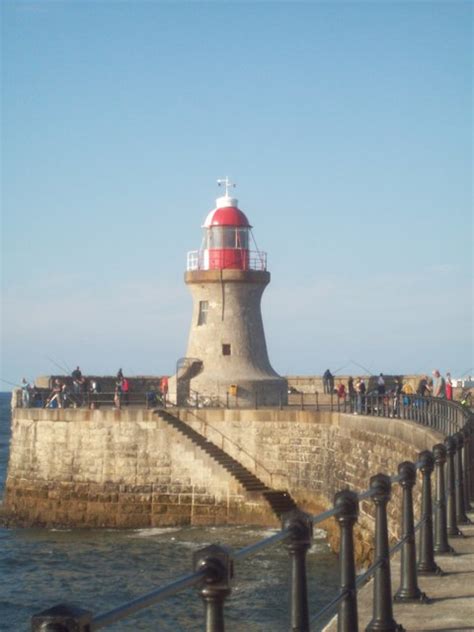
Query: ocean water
[101, 569]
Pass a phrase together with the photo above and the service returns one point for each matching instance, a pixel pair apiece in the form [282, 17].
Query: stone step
[279, 501]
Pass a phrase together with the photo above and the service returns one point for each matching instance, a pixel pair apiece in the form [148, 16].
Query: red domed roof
[227, 216]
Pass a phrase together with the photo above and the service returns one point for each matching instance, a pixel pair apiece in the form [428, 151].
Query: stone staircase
[280, 501]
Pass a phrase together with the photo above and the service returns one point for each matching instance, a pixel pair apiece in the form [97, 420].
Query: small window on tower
[225, 349]
[203, 309]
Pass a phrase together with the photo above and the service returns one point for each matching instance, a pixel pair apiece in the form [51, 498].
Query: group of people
[437, 386]
[354, 387]
[78, 390]
[72, 392]
[404, 391]
[60, 396]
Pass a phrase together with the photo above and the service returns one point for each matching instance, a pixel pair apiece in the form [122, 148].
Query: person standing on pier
[328, 381]
[439, 385]
[423, 389]
[381, 384]
[350, 386]
[118, 395]
[449, 387]
[125, 385]
[25, 393]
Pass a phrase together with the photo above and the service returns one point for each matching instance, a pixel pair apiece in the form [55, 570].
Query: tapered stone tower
[227, 361]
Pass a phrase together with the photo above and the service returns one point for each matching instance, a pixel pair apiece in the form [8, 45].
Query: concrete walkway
[452, 594]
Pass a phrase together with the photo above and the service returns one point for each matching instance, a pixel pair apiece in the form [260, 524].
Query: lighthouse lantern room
[227, 237]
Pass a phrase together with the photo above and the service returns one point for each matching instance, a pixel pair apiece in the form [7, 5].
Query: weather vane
[228, 184]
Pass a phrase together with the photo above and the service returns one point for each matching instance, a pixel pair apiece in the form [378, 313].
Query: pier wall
[128, 468]
[107, 468]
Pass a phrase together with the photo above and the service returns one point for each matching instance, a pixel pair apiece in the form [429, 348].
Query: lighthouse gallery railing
[214, 565]
[253, 260]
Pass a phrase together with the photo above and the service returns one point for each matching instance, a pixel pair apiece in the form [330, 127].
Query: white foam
[153, 531]
[319, 534]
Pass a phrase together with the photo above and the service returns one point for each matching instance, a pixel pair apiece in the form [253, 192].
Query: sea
[100, 569]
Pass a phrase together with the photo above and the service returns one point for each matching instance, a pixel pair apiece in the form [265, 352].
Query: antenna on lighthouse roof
[228, 185]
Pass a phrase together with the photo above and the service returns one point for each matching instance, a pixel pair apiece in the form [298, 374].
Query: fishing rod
[362, 367]
[342, 367]
[63, 370]
[10, 383]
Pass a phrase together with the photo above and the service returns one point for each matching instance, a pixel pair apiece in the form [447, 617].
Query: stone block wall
[117, 469]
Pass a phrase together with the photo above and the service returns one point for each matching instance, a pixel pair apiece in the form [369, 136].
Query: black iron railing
[213, 570]
[43, 398]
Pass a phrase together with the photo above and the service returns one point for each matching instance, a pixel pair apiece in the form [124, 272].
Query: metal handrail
[262, 544]
[257, 463]
[200, 399]
[150, 599]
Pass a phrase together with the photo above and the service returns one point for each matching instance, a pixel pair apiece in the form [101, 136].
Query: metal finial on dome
[228, 185]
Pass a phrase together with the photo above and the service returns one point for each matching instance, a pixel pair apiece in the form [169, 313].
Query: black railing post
[426, 405]
[217, 562]
[468, 455]
[347, 506]
[409, 590]
[382, 608]
[297, 543]
[461, 517]
[426, 562]
[452, 525]
[441, 544]
[467, 470]
[62, 618]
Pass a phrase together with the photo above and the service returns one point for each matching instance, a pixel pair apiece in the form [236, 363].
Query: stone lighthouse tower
[227, 361]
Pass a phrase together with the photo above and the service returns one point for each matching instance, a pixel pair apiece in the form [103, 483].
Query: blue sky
[347, 127]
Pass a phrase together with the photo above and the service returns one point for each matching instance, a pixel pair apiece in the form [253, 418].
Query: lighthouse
[226, 362]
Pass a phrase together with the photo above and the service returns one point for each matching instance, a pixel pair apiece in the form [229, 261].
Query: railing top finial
[347, 504]
[439, 453]
[381, 487]
[426, 461]
[407, 471]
